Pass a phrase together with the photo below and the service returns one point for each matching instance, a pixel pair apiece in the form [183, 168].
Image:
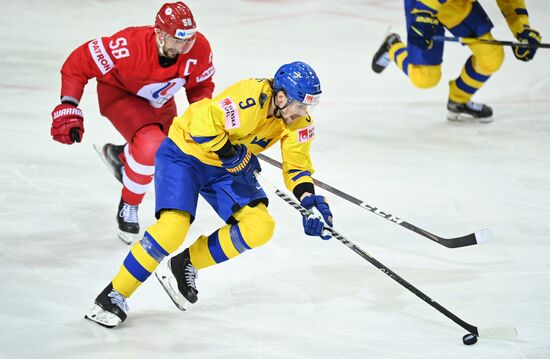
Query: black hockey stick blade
[481, 236]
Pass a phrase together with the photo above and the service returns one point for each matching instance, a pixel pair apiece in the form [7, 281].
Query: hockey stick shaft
[467, 240]
[503, 333]
[473, 40]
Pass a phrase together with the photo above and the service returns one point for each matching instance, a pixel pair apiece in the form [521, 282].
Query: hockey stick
[473, 40]
[504, 332]
[481, 236]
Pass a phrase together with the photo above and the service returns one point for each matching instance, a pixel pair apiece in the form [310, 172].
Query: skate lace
[474, 106]
[129, 213]
[191, 275]
[118, 300]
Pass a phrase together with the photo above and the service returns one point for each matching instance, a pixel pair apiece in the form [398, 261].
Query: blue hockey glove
[313, 226]
[242, 165]
[529, 36]
[422, 28]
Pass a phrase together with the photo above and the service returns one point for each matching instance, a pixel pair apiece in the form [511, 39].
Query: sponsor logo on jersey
[206, 74]
[100, 56]
[306, 134]
[231, 113]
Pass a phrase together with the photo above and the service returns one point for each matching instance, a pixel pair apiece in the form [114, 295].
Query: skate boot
[177, 276]
[127, 218]
[469, 110]
[109, 309]
[110, 155]
[381, 59]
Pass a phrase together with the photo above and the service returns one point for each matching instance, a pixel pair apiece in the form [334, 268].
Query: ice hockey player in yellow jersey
[210, 151]
[420, 58]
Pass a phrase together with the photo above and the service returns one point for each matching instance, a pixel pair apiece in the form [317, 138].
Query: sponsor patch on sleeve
[206, 74]
[231, 113]
[306, 134]
[100, 56]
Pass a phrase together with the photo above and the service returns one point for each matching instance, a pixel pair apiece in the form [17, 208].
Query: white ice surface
[378, 138]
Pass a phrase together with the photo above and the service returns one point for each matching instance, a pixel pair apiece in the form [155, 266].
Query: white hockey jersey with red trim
[129, 60]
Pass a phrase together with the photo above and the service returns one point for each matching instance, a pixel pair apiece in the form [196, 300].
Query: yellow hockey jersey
[453, 12]
[240, 114]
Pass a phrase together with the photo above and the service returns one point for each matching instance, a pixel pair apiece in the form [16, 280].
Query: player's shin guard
[466, 85]
[461, 91]
[137, 175]
[159, 240]
[137, 172]
[397, 52]
[254, 228]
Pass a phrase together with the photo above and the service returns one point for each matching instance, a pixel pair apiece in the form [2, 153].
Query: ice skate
[109, 308]
[381, 59]
[110, 155]
[177, 276]
[469, 110]
[127, 218]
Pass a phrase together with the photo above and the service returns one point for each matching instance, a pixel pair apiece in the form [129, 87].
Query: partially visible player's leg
[485, 61]
[254, 227]
[144, 129]
[137, 175]
[177, 192]
[420, 64]
[249, 225]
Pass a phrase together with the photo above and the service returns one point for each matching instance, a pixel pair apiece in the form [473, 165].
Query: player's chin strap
[277, 110]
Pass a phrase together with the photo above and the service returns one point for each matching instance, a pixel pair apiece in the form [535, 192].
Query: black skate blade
[105, 161]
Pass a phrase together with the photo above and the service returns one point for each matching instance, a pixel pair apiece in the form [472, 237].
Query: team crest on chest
[161, 92]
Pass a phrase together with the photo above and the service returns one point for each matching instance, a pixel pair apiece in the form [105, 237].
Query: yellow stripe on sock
[226, 243]
[125, 283]
[200, 254]
[144, 258]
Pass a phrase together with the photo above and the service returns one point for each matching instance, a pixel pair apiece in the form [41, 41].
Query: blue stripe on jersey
[301, 174]
[520, 11]
[200, 139]
[215, 248]
[464, 87]
[152, 247]
[293, 171]
[135, 268]
[473, 73]
[237, 239]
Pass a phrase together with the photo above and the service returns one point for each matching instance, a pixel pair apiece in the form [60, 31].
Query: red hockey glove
[67, 124]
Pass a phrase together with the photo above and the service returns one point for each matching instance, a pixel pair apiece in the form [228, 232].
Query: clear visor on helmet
[305, 106]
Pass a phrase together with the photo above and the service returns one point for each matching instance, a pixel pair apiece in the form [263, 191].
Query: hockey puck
[469, 339]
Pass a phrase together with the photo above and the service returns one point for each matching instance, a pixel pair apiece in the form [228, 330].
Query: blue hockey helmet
[299, 82]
